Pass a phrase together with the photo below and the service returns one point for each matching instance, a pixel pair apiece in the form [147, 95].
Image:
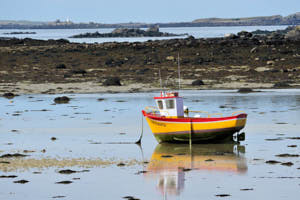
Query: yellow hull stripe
[164, 127]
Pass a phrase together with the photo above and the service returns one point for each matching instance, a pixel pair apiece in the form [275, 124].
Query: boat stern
[241, 120]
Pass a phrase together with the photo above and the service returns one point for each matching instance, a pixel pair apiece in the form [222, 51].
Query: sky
[150, 11]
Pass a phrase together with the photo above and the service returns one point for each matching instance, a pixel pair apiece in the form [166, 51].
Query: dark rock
[198, 82]
[100, 99]
[10, 176]
[198, 61]
[231, 36]
[141, 172]
[21, 181]
[13, 155]
[245, 90]
[130, 198]
[274, 139]
[63, 99]
[276, 36]
[281, 84]
[58, 197]
[244, 34]
[64, 182]
[128, 32]
[105, 123]
[246, 189]
[185, 61]
[287, 155]
[53, 138]
[190, 41]
[9, 95]
[294, 34]
[261, 32]
[274, 70]
[121, 164]
[61, 66]
[109, 62]
[67, 171]
[223, 195]
[293, 138]
[19, 32]
[62, 41]
[252, 71]
[67, 75]
[153, 29]
[121, 101]
[287, 164]
[112, 81]
[4, 162]
[272, 162]
[79, 71]
[28, 151]
[142, 71]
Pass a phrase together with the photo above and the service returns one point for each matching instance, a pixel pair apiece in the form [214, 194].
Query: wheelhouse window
[170, 104]
[160, 104]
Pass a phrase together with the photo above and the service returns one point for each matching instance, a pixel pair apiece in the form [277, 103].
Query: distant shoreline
[275, 20]
[142, 27]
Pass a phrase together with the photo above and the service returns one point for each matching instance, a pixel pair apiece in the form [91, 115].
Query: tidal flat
[85, 148]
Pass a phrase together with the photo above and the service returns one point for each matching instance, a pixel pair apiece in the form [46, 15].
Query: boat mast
[160, 82]
[178, 72]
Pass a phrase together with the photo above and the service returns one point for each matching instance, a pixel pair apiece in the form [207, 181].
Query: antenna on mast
[178, 72]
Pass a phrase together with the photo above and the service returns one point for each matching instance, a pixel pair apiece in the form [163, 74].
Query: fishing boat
[171, 122]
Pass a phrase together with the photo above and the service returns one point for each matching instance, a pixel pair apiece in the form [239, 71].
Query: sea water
[94, 126]
[197, 32]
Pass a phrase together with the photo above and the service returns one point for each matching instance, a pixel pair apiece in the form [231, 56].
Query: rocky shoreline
[19, 33]
[244, 60]
[125, 32]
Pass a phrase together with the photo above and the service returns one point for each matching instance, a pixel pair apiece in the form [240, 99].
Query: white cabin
[170, 105]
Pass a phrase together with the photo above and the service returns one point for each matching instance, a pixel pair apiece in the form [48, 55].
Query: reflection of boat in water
[168, 122]
[170, 162]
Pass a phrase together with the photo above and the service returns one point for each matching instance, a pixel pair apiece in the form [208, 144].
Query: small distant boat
[169, 122]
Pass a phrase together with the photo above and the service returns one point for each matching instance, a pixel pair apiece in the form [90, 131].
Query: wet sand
[92, 87]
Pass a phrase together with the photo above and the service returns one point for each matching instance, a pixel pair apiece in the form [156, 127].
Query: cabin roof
[167, 95]
[164, 97]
